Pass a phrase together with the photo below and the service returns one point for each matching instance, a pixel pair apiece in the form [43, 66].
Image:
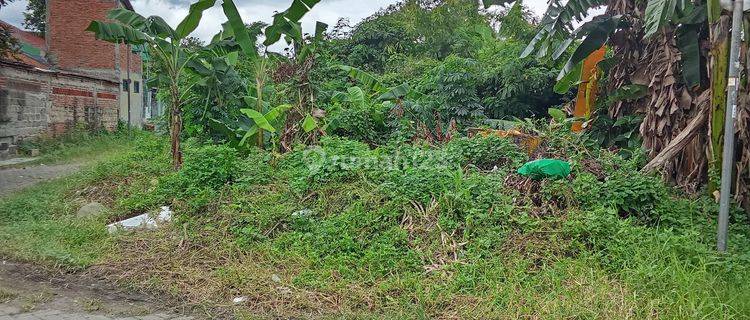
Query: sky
[328, 11]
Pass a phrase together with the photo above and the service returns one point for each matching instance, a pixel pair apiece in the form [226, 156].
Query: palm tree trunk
[719, 65]
[259, 108]
[175, 128]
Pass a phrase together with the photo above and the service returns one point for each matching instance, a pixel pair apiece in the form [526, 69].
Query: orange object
[531, 143]
[587, 90]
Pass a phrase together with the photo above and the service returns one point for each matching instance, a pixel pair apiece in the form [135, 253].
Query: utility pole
[128, 52]
[727, 161]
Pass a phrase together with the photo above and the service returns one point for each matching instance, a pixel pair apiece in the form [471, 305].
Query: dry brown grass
[210, 274]
[205, 273]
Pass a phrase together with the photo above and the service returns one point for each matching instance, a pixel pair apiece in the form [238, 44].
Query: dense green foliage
[406, 229]
[339, 181]
[449, 53]
[452, 67]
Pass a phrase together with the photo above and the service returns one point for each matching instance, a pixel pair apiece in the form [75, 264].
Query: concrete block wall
[34, 103]
[24, 106]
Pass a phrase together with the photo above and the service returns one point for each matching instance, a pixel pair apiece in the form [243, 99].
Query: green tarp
[545, 168]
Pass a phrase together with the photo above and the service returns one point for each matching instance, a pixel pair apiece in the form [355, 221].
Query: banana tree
[718, 25]
[287, 24]
[128, 27]
[661, 45]
[217, 83]
[218, 62]
[164, 42]
[269, 121]
[302, 119]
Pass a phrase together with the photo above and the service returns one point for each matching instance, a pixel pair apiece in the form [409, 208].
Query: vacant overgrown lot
[400, 231]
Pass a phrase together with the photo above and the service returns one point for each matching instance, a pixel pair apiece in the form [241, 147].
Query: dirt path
[27, 292]
[31, 293]
[14, 179]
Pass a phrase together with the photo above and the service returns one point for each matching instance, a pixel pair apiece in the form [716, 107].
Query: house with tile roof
[68, 79]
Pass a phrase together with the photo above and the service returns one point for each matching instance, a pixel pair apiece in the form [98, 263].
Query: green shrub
[587, 189]
[633, 193]
[420, 184]
[360, 123]
[485, 152]
[254, 168]
[337, 159]
[208, 166]
[597, 228]
[452, 89]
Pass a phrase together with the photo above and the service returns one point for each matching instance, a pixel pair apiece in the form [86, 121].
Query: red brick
[104, 95]
[72, 92]
[75, 49]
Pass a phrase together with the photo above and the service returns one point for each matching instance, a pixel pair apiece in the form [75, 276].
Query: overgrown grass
[402, 231]
[39, 223]
[79, 145]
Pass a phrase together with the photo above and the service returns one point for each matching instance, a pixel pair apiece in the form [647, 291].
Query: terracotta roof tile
[33, 47]
[28, 37]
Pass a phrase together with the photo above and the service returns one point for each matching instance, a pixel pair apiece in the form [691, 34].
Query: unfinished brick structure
[68, 79]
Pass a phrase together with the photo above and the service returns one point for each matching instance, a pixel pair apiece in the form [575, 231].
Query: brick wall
[34, 103]
[71, 48]
[135, 60]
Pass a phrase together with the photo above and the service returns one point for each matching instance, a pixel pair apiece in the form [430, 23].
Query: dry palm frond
[666, 102]
[668, 110]
[742, 129]
[627, 46]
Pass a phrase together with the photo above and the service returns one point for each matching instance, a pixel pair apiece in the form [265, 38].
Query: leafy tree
[8, 44]
[449, 26]
[166, 45]
[510, 86]
[452, 87]
[35, 17]
[375, 39]
[517, 23]
[428, 28]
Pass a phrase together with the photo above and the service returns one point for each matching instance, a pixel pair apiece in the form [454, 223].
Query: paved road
[30, 293]
[7, 313]
[13, 179]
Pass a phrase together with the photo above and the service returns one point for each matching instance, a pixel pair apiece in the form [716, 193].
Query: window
[137, 87]
[125, 85]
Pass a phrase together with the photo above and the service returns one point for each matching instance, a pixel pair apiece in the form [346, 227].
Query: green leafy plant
[132, 28]
[268, 121]
[209, 166]
[486, 152]
[165, 42]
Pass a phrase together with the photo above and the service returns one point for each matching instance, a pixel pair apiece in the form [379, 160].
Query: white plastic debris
[239, 300]
[302, 213]
[275, 278]
[144, 221]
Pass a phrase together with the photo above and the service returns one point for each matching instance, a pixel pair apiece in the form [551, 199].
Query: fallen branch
[678, 143]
